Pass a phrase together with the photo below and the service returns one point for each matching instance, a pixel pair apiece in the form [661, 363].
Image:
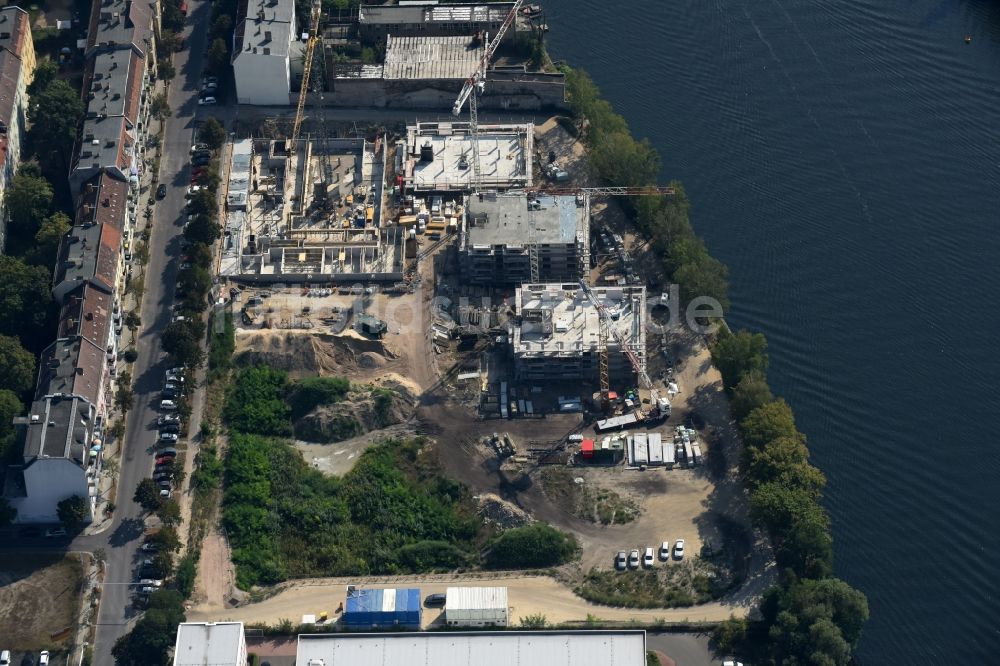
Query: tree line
[809, 617]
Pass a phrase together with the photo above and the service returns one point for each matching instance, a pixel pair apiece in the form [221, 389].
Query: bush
[256, 404]
[311, 392]
[531, 546]
[432, 556]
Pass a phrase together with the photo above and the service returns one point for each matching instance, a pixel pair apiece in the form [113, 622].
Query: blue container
[374, 609]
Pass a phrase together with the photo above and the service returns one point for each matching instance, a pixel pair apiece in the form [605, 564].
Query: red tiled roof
[133, 90]
[109, 255]
[87, 312]
[14, 24]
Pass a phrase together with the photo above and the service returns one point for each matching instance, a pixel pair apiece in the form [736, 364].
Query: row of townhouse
[17, 70]
[66, 421]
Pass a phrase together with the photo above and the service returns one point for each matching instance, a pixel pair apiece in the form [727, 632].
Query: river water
[843, 158]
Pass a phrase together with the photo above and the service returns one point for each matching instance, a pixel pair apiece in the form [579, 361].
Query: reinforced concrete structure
[517, 238]
[437, 156]
[557, 333]
[312, 214]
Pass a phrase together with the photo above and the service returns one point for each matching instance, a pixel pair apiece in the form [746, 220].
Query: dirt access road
[526, 596]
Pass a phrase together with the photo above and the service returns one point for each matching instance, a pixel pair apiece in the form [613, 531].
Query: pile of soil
[497, 511]
[365, 409]
[302, 354]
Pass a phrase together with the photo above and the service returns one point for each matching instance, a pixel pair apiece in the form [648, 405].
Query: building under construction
[311, 212]
[519, 238]
[438, 157]
[557, 334]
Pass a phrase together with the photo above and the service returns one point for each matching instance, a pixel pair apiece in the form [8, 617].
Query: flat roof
[60, 427]
[476, 598]
[521, 220]
[434, 13]
[560, 319]
[267, 27]
[430, 57]
[504, 156]
[209, 644]
[507, 648]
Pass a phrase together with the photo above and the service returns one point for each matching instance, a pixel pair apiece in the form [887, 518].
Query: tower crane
[314, 38]
[476, 83]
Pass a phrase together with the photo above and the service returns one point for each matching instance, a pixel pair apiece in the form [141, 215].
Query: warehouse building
[476, 607]
[508, 648]
[393, 608]
[210, 643]
[524, 238]
[557, 333]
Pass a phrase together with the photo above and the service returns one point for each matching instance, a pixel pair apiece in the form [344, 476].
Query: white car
[665, 550]
[633, 559]
[5, 658]
[43, 658]
[168, 437]
[621, 561]
[647, 558]
[679, 549]
[168, 405]
[207, 101]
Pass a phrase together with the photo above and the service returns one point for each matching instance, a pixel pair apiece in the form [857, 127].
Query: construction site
[477, 266]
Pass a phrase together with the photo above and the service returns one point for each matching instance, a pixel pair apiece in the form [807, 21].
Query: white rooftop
[476, 598]
[559, 319]
[214, 643]
[509, 648]
[504, 156]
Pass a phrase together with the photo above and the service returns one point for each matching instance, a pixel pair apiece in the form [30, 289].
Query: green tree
[769, 422]
[798, 525]
[25, 301]
[256, 403]
[218, 55]
[160, 107]
[310, 392]
[169, 513]
[150, 641]
[202, 230]
[739, 355]
[222, 25]
[730, 635]
[45, 73]
[166, 69]
[73, 511]
[179, 341]
[10, 407]
[784, 460]
[751, 393]
[212, 134]
[17, 365]
[167, 539]
[202, 203]
[531, 546]
[7, 512]
[706, 277]
[28, 201]
[55, 115]
[50, 233]
[147, 495]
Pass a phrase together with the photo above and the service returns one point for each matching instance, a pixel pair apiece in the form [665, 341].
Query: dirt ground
[339, 458]
[526, 596]
[39, 600]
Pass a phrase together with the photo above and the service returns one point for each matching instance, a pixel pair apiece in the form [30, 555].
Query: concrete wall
[262, 80]
[48, 482]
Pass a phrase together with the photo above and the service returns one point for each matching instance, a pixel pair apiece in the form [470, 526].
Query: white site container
[476, 607]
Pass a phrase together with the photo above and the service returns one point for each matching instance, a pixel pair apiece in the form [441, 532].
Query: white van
[5, 658]
[168, 405]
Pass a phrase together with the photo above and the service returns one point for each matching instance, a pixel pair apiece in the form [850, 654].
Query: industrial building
[476, 607]
[210, 643]
[557, 333]
[264, 45]
[312, 213]
[393, 608]
[518, 238]
[376, 22]
[437, 157]
[507, 648]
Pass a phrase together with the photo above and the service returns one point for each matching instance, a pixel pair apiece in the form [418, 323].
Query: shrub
[531, 546]
[311, 392]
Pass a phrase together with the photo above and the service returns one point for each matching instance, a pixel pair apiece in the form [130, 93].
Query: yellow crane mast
[314, 38]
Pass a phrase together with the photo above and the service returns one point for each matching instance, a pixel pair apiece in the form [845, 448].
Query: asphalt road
[684, 649]
[122, 539]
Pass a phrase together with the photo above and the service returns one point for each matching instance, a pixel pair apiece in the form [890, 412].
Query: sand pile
[302, 353]
[497, 511]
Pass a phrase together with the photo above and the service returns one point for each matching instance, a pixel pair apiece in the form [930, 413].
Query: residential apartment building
[518, 238]
[263, 46]
[17, 70]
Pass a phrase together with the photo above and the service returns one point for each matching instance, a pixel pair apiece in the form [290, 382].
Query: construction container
[376, 609]
[476, 607]
[669, 454]
[640, 454]
[655, 445]
[587, 449]
[371, 325]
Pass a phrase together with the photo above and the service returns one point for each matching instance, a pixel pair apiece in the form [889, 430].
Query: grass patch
[39, 600]
[671, 585]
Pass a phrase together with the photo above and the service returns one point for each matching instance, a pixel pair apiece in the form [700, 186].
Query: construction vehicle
[475, 84]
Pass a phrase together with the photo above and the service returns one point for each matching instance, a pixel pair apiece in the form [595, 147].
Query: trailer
[617, 422]
[669, 453]
[655, 449]
[688, 454]
[640, 454]
[696, 454]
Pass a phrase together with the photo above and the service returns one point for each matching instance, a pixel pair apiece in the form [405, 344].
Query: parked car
[665, 550]
[150, 547]
[167, 419]
[679, 549]
[207, 101]
[167, 452]
[54, 532]
[200, 161]
[621, 561]
[165, 494]
[169, 391]
[647, 557]
[168, 405]
[152, 582]
[43, 658]
[5, 658]
[162, 476]
[633, 559]
[165, 485]
[170, 427]
[199, 148]
[435, 600]
[168, 437]
[161, 191]
[164, 460]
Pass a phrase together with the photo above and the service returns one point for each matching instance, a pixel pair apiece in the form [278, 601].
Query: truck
[617, 422]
